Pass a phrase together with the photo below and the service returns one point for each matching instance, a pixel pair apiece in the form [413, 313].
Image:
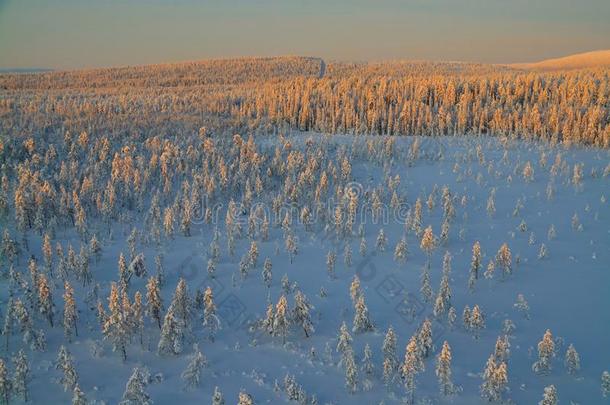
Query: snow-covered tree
[381, 242]
[424, 338]
[546, 352]
[116, 326]
[367, 361]
[281, 320]
[477, 321]
[572, 360]
[443, 370]
[495, 380]
[267, 273]
[65, 364]
[210, 320]
[301, 314]
[351, 371]
[400, 252]
[362, 322]
[412, 365]
[21, 375]
[192, 374]
[549, 396]
[154, 303]
[217, 398]
[135, 390]
[5, 383]
[245, 399]
[78, 396]
[70, 313]
[606, 384]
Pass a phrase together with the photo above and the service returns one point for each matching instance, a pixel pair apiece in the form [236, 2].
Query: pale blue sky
[87, 33]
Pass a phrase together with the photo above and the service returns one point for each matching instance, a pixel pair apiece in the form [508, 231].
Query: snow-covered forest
[286, 230]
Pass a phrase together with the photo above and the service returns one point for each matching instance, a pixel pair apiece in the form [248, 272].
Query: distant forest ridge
[307, 93]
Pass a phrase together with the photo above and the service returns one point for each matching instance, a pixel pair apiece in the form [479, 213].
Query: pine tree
[400, 252]
[78, 396]
[451, 317]
[65, 364]
[412, 365]
[362, 247]
[135, 393]
[550, 396]
[136, 316]
[116, 328]
[344, 342]
[606, 384]
[428, 243]
[495, 380]
[245, 399]
[367, 361]
[70, 314]
[331, 258]
[443, 370]
[361, 318]
[192, 374]
[301, 313]
[389, 349]
[154, 303]
[475, 264]
[477, 321]
[280, 320]
[443, 299]
[503, 258]
[172, 335]
[351, 371]
[5, 383]
[572, 360]
[424, 338]
[354, 291]
[347, 255]
[21, 375]
[502, 349]
[426, 288]
[267, 273]
[217, 398]
[381, 241]
[45, 298]
[522, 306]
[546, 352]
[210, 320]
